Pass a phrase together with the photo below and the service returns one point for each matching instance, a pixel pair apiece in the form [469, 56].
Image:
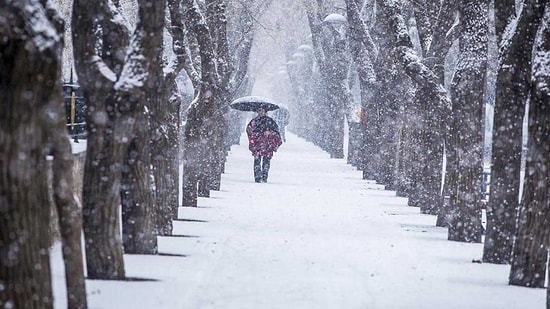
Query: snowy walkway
[314, 236]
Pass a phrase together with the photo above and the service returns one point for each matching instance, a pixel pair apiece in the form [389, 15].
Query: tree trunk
[101, 206]
[430, 139]
[216, 15]
[530, 254]
[437, 42]
[172, 149]
[104, 155]
[68, 206]
[390, 83]
[512, 92]
[67, 203]
[24, 232]
[138, 210]
[201, 119]
[31, 114]
[331, 53]
[116, 99]
[165, 153]
[165, 122]
[467, 133]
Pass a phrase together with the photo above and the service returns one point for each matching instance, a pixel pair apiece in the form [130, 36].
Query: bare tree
[501, 208]
[243, 18]
[364, 53]
[447, 33]
[433, 21]
[512, 92]
[32, 126]
[432, 113]
[104, 155]
[201, 126]
[114, 81]
[331, 49]
[165, 124]
[138, 205]
[467, 91]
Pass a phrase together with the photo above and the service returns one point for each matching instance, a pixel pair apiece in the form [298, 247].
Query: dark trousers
[261, 168]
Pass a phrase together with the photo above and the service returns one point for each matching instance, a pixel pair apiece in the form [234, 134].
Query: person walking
[263, 139]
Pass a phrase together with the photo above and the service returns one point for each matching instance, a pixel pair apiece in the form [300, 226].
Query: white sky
[315, 236]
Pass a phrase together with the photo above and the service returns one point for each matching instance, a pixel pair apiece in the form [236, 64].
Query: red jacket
[263, 136]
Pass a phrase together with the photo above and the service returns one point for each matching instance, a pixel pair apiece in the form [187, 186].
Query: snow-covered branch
[541, 57]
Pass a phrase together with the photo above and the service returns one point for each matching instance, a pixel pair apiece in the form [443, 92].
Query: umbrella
[252, 103]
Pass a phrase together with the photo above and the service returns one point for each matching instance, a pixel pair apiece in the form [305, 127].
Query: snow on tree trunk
[101, 197]
[434, 20]
[139, 210]
[201, 128]
[512, 91]
[436, 36]
[530, 252]
[115, 84]
[505, 12]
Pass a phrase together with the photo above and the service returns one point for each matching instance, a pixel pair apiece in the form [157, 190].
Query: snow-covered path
[315, 236]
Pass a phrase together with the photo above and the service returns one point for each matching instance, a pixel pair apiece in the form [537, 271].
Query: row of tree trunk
[410, 144]
[515, 232]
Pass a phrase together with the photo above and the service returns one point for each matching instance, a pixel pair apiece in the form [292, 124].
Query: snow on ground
[315, 236]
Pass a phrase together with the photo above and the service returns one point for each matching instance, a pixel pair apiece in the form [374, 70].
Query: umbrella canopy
[252, 103]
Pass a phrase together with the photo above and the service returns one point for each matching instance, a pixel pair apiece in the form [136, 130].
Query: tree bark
[138, 206]
[435, 58]
[512, 92]
[434, 19]
[216, 16]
